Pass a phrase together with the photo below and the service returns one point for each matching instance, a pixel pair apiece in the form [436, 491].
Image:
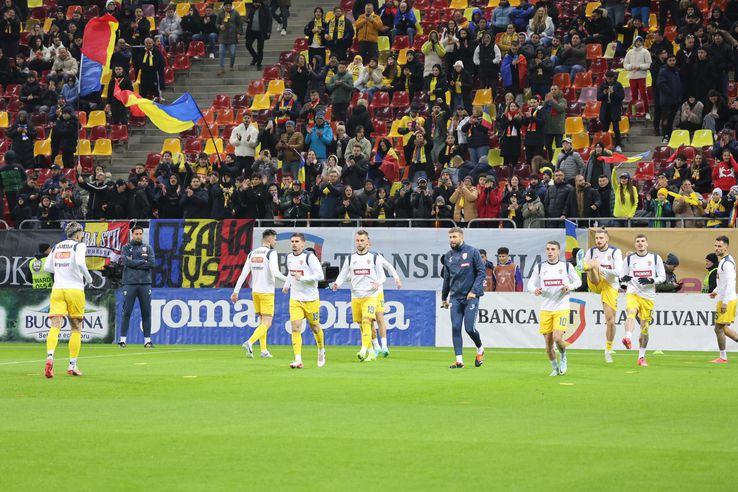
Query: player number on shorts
[370, 309]
[562, 321]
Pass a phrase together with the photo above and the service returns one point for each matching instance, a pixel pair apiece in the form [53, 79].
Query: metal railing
[436, 223]
[617, 221]
[479, 223]
[58, 224]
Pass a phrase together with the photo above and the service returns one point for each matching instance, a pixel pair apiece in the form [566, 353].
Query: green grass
[206, 418]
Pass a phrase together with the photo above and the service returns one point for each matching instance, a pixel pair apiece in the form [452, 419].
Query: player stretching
[263, 266]
[603, 264]
[305, 271]
[553, 280]
[364, 270]
[641, 271]
[67, 262]
[381, 323]
[726, 298]
[463, 283]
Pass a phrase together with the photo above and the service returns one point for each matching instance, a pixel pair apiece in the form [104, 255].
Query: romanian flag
[487, 119]
[97, 48]
[571, 238]
[181, 115]
[617, 158]
[301, 171]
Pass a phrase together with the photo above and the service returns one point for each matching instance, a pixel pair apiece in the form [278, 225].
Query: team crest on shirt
[648, 262]
[463, 256]
[561, 271]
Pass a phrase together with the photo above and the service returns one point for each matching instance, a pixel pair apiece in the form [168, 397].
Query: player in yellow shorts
[726, 298]
[637, 306]
[553, 321]
[309, 310]
[380, 345]
[364, 308]
[68, 264]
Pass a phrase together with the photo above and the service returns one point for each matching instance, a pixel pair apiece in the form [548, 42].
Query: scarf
[733, 217]
[658, 214]
[677, 173]
[285, 106]
[227, 194]
[337, 34]
[532, 125]
[382, 215]
[433, 82]
[696, 173]
[317, 39]
[457, 85]
[148, 58]
[419, 155]
[511, 130]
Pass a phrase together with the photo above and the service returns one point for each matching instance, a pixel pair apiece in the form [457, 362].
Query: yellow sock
[263, 343]
[319, 338]
[608, 345]
[297, 343]
[366, 334]
[259, 334]
[52, 340]
[75, 344]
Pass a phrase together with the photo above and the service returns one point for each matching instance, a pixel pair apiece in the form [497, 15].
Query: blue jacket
[320, 144]
[521, 16]
[669, 84]
[463, 272]
[138, 262]
[502, 16]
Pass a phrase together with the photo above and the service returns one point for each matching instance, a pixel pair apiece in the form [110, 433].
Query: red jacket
[488, 203]
[724, 174]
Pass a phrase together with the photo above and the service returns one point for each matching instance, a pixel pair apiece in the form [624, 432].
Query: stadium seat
[255, 87]
[214, 147]
[381, 100]
[380, 128]
[208, 116]
[221, 101]
[594, 51]
[225, 117]
[196, 49]
[181, 63]
[42, 147]
[588, 94]
[96, 118]
[591, 7]
[227, 130]
[562, 80]
[152, 160]
[702, 138]
[173, 145]
[182, 9]
[583, 80]
[574, 125]
[272, 73]
[679, 138]
[84, 147]
[645, 171]
[98, 132]
[624, 126]
[88, 164]
[599, 67]
[580, 140]
[494, 158]
[240, 101]
[602, 137]
[192, 146]
[14, 106]
[592, 110]
[383, 44]
[119, 133]
[401, 43]
[483, 97]
[260, 102]
[103, 148]
[208, 130]
[275, 87]
[400, 99]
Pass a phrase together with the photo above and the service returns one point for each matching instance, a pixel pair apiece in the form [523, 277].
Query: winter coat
[637, 62]
[196, 206]
[489, 202]
[724, 174]
[264, 27]
[320, 143]
[368, 29]
[624, 208]
[669, 85]
[570, 163]
[612, 104]
[434, 53]
[591, 197]
[557, 199]
[529, 215]
[555, 116]
[329, 196]
[232, 27]
[341, 93]
[575, 55]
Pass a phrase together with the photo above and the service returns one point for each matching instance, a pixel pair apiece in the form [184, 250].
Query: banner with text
[24, 316]
[207, 316]
[510, 320]
[199, 253]
[416, 253]
[104, 241]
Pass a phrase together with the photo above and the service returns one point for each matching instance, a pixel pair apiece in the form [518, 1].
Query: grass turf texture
[206, 418]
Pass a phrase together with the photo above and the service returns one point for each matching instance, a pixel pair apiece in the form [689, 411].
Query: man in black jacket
[611, 94]
[194, 201]
[118, 112]
[64, 137]
[253, 200]
[139, 206]
[258, 28]
[354, 173]
[556, 200]
[150, 64]
[584, 201]
[97, 191]
[116, 202]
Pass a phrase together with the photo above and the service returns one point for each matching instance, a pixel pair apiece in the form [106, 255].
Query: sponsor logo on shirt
[301, 272]
[465, 264]
[361, 271]
[642, 273]
[257, 259]
[62, 255]
[554, 282]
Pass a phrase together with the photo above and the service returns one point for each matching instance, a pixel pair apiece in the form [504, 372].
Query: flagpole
[207, 125]
[79, 90]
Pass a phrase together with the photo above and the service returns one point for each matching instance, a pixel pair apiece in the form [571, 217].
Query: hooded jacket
[637, 61]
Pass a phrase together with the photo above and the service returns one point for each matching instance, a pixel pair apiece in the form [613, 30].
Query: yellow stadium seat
[494, 158]
[483, 97]
[679, 138]
[4, 122]
[591, 7]
[702, 138]
[214, 148]
[418, 16]
[624, 126]
[383, 43]
[328, 16]
[515, 3]
[393, 133]
[173, 145]
[152, 23]
[493, 3]
[240, 7]
[574, 125]
[468, 11]
[580, 140]
[653, 22]
[182, 9]
[275, 87]
[402, 56]
[84, 147]
[458, 4]
[261, 102]
[42, 147]
[96, 118]
[47, 24]
[103, 148]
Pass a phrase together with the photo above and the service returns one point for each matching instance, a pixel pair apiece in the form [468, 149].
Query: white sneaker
[283, 32]
[618, 148]
[211, 55]
[279, 26]
[608, 357]
[249, 349]
[648, 116]
[321, 358]
[266, 355]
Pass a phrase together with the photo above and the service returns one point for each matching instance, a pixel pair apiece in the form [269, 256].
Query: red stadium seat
[255, 87]
[645, 170]
[98, 132]
[227, 130]
[594, 51]
[221, 101]
[169, 76]
[152, 160]
[562, 80]
[197, 48]
[119, 133]
[401, 43]
[400, 99]
[380, 128]
[599, 66]
[192, 146]
[588, 94]
[272, 73]
[87, 162]
[182, 63]
[300, 44]
[240, 101]
[582, 80]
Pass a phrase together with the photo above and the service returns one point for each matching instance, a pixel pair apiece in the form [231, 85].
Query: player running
[603, 264]
[67, 262]
[553, 280]
[641, 271]
[364, 269]
[263, 266]
[726, 298]
[305, 271]
[381, 323]
[463, 284]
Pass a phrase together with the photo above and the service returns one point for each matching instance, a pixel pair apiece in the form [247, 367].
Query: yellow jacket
[368, 29]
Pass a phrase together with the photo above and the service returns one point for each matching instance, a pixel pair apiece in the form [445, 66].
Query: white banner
[416, 252]
[510, 320]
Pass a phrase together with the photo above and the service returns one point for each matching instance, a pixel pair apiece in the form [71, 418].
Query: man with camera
[138, 263]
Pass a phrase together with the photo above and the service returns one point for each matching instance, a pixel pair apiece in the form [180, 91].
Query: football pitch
[206, 418]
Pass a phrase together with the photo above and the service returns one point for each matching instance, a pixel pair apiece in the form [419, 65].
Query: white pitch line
[152, 352]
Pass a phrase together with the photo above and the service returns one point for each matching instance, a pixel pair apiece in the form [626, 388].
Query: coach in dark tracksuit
[138, 262]
[463, 280]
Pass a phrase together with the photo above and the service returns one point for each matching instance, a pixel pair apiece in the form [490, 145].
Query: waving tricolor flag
[98, 42]
[487, 119]
[616, 158]
[181, 115]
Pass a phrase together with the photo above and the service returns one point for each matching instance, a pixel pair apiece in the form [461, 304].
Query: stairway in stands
[204, 84]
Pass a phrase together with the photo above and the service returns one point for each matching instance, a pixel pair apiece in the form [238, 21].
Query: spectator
[512, 209]
[258, 27]
[64, 137]
[596, 167]
[265, 166]
[96, 190]
[139, 206]
[461, 87]
[478, 139]
[320, 137]
[10, 27]
[150, 68]
[716, 210]
[510, 124]
[506, 275]
[340, 34]
[557, 199]
[192, 27]
[502, 16]
[289, 147]
[626, 195]
[350, 207]
[710, 282]
[47, 213]
[254, 199]
[12, 179]
[30, 94]
[384, 168]
[23, 134]
[724, 172]
[221, 194]
[194, 201]
[638, 62]
[532, 209]
[421, 201]
[584, 201]
[542, 25]
[228, 22]
[554, 105]
[341, 86]
[295, 203]
[405, 23]
[659, 208]
[245, 139]
[514, 70]
[208, 30]
[715, 112]
[572, 59]
[434, 52]
[536, 186]
[487, 58]
[118, 111]
[569, 161]
[170, 28]
[669, 93]
[315, 32]
[522, 14]
[599, 28]
[418, 157]
[466, 48]
[168, 205]
[724, 141]
[357, 165]
[506, 39]
[368, 26]
[607, 196]
[611, 94]
[64, 66]
[671, 284]
[329, 194]
[116, 203]
[442, 211]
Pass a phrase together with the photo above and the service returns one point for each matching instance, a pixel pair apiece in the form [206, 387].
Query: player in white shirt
[304, 273]
[726, 298]
[553, 280]
[364, 270]
[641, 271]
[67, 262]
[263, 266]
[381, 324]
[603, 264]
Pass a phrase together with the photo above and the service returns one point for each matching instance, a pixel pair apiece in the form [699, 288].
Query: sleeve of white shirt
[274, 267]
[575, 280]
[534, 280]
[343, 275]
[617, 265]
[316, 270]
[624, 268]
[660, 271]
[388, 266]
[80, 254]
[49, 265]
[729, 274]
[244, 273]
